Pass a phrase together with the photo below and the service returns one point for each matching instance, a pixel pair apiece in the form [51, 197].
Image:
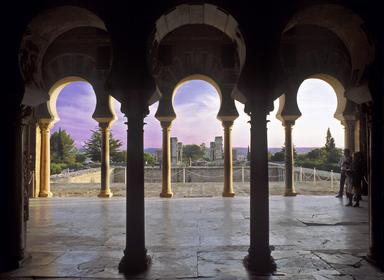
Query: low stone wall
[92, 175]
[196, 174]
[189, 174]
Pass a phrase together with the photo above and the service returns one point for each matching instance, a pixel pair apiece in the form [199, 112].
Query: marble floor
[313, 237]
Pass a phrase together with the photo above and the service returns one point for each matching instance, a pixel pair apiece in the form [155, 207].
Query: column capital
[348, 122]
[227, 124]
[166, 124]
[105, 125]
[45, 126]
[288, 123]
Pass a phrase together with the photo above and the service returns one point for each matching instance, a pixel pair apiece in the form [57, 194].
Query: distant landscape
[244, 150]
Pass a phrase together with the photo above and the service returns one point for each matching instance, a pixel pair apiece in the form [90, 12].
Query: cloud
[196, 105]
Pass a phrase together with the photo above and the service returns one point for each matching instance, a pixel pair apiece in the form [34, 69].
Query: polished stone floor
[314, 237]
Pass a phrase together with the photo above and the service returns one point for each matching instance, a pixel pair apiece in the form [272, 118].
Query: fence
[240, 174]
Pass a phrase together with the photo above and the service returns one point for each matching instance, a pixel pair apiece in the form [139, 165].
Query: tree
[192, 151]
[333, 154]
[329, 142]
[280, 156]
[149, 159]
[63, 148]
[92, 146]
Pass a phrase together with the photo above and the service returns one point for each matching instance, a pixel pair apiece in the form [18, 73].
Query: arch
[338, 88]
[288, 106]
[207, 14]
[40, 33]
[347, 25]
[201, 77]
[48, 112]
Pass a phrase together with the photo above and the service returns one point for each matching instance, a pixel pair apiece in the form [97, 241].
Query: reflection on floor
[314, 237]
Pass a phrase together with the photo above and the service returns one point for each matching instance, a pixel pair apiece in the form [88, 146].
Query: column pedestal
[166, 190]
[105, 191]
[228, 175]
[259, 259]
[45, 160]
[289, 160]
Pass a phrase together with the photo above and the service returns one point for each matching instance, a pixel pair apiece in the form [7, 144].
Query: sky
[196, 104]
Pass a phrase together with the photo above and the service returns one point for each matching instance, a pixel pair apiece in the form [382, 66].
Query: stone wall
[191, 174]
[196, 174]
[92, 175]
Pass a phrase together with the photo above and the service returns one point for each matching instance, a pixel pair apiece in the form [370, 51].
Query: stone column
[259, 259]
[135, 257]
[228, 187]
[349, 135]
[289, 160]
[105, 191]
[45, 159]
[166, 190]
[376, 191]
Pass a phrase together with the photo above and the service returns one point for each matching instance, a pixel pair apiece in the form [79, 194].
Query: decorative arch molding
[67, 65]
[227, 111]
[41, 32]
[347, 25]
[289, 109]
[310, 49]
[47, 112]
[339, 89]
[207, 14]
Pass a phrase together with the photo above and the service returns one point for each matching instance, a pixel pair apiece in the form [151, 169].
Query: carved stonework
[27, 183]
[28, 55]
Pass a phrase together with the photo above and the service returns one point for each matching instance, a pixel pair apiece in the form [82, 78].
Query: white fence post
[184, 175]
[314, 175]
[301, 174]
[332, 180]
[242, 174]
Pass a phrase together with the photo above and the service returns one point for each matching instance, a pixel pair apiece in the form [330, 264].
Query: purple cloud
[196, 104]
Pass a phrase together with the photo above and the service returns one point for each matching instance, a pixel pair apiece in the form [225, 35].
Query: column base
[45, 194]
[260, 265]
[105, 194]
[228, 194]
[14, 263]
[375, 260]
[290, 193]
[133, 265]
[166, 195]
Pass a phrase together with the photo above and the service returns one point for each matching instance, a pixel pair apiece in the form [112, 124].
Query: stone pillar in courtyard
[105, 115]
[45, 158]
[135, 257]
[166, 189]
[165, 114]
[105, 190]
[228, 168]
[288, 113]
[289, 160]
[227, 115]
[259, 259]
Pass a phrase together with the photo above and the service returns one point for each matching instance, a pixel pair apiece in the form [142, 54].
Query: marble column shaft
[135, 257]
[228, 169]
[45, 160]
[289, 160]
[166, 190]
[259, 259]
[105, 190]
[349, 135]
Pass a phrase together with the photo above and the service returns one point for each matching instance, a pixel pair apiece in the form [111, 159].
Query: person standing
[358, 174]
[344, 163]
